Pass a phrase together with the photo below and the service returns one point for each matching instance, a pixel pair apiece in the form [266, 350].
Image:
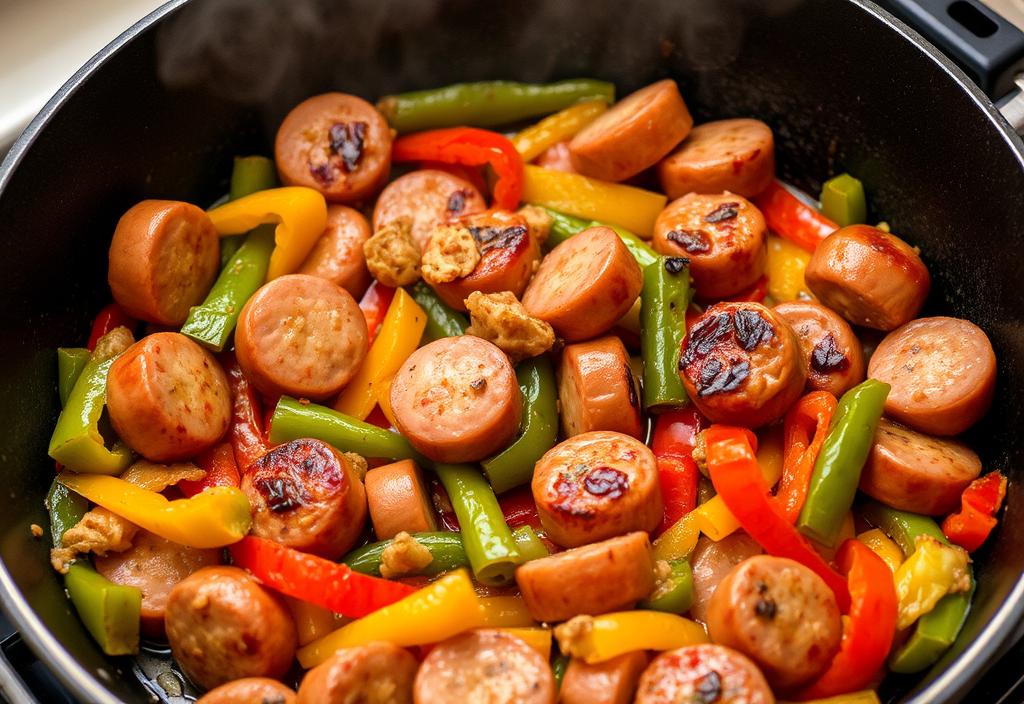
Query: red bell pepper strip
[737, 479]
[333, 586]
[110, 317]
[755, 294]
[804, 432]
[378, 418]
[470, 147]
[375, 304]
[221, 470]
[869, 631]
[246, 433]
[788, 217]
[971, 526]
[519, 508]
[675, 433]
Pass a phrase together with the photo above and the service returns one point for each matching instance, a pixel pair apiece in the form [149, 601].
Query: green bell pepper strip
[663, 302]
[70, 363]
[487, 103]
[843, 201]
[838, 467]
[901, 526]
[442, 319]
[445, 547]
[531, 547]
[513, 466]
[248, 175]
[565, 226]
[111, 612]
[491, 549]
[674, 595]
[559, 664]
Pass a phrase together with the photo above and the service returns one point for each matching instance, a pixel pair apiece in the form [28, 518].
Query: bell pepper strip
[674, 593]
[529, 544]
[843, 200]
[664, 298]
[805, 429]
[564, 226]
[311, 621]
[299, 213]
[536, 637]
[471, 147]
[971, 526]
[792, 219]
[932, 571]
[538, 431]
[573, 194]
[505, 612]
[383, 394]
[375, 304]
[398, 338]
[434, 613]
[677, 477]
[868, 632]
[679, 540]
[563, 125]
[785, 270]
[865, 696]
[902, 526]
[519, 509]
[250, 174]
[70, 363]
[755, 293]
[110, 316]
[487, 103]
[738, 481]
[442, 320]
[246, 433]
[837, 469]
[675, 432]
[445, 549]
[559, 665]
[883, 546]
[598, 638]
[221, 470]
[217, 517]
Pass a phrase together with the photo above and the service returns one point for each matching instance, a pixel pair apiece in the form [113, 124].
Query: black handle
[988, 48]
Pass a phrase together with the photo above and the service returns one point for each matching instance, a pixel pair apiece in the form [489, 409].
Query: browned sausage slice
[427, 197]
[305, 495]
[914, 472]
[610, 682]
[164, 257]
[484, 666]
[338, 255]
[457, 399]
[711, 561]
[168, 398]
[222, 626]
[869, 277]
[596, 389]
[250, 690]
[584, 285]
[741, 364]
[703, 673]
[833, 355]
[779, 614]
[375, 673]
[633, 134]
[398, 500]
[336, 143]
[942, 372]
[301, 335]
[595, 486]
[726, 155]
[594, 579]
[723, 236]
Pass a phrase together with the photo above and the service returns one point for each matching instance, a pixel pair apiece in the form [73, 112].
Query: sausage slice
[723, 236]
[711, 561]
[338, 255]
[942, 372]
[168, 398]
[703, 673]
[457, 399]
[610, 682]
[557, 158]
[833, 355]
[869, 277]
[596, 389]
[741, 364]
[250, 690]
[398, 500]
[725, 155]
[484, 666]
[336, 143]
[632, 134]
[914, 472]
[164, 257]
[584, 285]
[597, 485]
[301, 335]
[427, 198]
[375, 673]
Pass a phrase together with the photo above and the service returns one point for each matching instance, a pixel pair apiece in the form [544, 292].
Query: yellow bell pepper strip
[300, 215]
[678, 541]
[537, 638]
[214, 518]
[505, 612]
[633, 208]
[70, 363]
[438, 611]
[563, 125]
[383, 394]
[931, 572]
[598, 638]
[311, 621]
[399, 337]
[785, 269]
[867, 696]
[883, 546]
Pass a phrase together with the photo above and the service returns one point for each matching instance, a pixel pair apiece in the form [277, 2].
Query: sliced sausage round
[557, 158]
[336, 143]
[398, 500]
[375, 673]
[703, 673]
[168, 398]
[723, 235]
[596, 389]
[222, 626]
[610, 682]
[711, 561]
[305, 495]
[632, 134]
[868, 276]
[915, 472]
[584, 285]
[942, 372]
[741, 364]
[594, 579]
[457, 399]
[338, 255]
[164, 257]
[597, 485]
[484, 666]
[427, 198]
[301, 335]
[250, 690]
[833, 355]
[725, 155]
